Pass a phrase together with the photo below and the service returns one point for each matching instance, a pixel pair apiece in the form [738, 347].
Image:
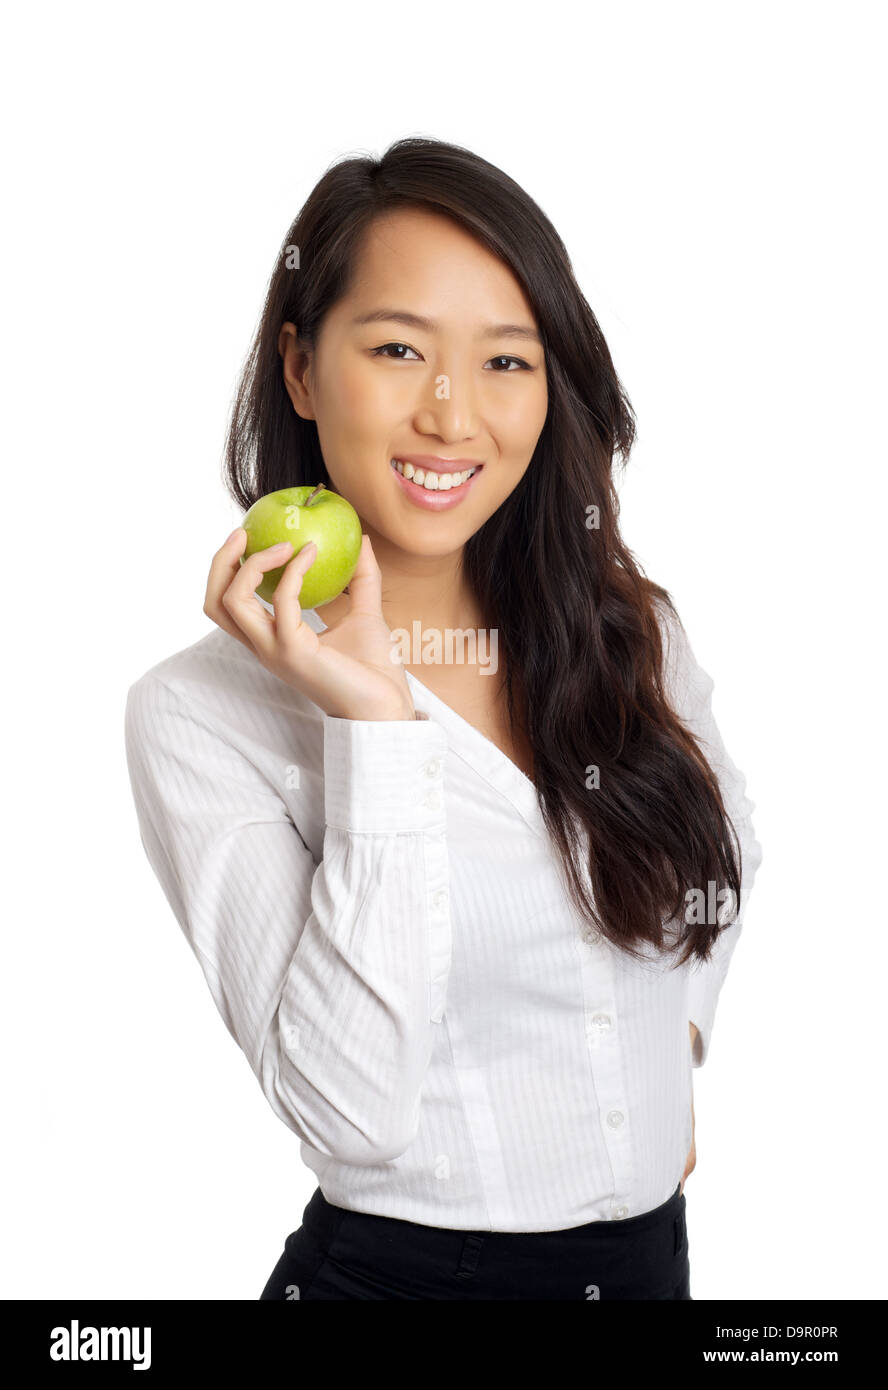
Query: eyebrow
[490, 330]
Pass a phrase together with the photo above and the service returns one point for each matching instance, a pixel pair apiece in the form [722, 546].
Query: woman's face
[460, 388]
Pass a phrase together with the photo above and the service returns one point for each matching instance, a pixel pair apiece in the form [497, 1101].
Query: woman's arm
[691, 1160]
[690, 689]
[329, 976]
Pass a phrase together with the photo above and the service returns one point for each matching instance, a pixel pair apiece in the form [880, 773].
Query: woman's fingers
[288, 646]
[225, 565]
[290, 626]
[365, 585]
[241, 604]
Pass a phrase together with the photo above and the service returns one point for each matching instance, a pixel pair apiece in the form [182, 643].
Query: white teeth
[432, 482]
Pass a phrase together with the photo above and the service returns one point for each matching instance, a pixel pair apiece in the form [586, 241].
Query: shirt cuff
[384, 776]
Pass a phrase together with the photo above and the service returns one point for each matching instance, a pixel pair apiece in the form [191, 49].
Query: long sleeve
[329, 976]
[691, 690]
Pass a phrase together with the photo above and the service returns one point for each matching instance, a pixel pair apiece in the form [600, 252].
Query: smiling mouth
[432, 480]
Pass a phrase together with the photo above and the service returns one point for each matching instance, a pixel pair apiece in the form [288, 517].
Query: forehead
[441, 266]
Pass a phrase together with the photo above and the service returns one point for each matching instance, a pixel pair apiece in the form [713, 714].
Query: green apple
[300, 515]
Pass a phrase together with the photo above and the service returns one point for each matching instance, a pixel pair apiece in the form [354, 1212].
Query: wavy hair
[577, 620]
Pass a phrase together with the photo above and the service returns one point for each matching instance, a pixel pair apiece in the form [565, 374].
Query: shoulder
[218, 682]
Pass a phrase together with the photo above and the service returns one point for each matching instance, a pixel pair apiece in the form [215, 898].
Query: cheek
[537, 410]
[355, 397]
[349, 392]
[532, 424]
[522, 420]
[353, 425]
[520, 437]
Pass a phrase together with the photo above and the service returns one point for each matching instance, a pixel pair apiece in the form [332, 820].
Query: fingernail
[233, 534]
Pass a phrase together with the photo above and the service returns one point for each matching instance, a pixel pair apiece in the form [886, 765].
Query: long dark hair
[576, 618]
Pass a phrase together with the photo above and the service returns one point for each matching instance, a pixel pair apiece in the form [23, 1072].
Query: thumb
[365, 585]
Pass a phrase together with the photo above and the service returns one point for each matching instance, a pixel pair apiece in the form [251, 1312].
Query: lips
[445, 475]
[440, 467]
[434, 499]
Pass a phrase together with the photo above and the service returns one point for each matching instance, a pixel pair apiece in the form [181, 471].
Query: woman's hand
[350, 671]
[691, 1163]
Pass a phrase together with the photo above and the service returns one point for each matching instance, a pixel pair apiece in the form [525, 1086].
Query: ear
[296, 361]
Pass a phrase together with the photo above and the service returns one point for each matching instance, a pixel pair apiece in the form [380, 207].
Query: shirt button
[440, 898]
[615, 1118]
[620, 1212]
[602, 1021]
[433, 801]
[433, 767]
[292, 1036]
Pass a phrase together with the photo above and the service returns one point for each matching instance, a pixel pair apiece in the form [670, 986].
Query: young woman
[449, 904]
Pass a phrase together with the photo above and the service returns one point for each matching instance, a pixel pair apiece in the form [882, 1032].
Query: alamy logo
[449, 646]
[76, 1343]
[710, 907]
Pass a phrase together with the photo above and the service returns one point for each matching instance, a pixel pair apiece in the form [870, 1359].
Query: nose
[451, 409]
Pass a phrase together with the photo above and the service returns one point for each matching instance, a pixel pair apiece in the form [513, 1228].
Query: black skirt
[341, 1254]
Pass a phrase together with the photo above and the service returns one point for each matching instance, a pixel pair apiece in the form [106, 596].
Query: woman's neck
[429, 589]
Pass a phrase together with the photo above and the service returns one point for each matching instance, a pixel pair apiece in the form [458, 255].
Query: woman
[449, 904]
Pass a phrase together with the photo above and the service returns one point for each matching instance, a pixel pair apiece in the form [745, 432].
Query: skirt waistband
[325, 1222]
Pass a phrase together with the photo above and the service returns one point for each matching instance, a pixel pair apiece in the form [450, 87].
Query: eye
[519, 361]
[383, 351]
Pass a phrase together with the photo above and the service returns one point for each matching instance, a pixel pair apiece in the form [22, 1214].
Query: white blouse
[378, 913]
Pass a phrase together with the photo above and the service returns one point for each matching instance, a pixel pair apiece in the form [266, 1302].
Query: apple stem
[310, 499]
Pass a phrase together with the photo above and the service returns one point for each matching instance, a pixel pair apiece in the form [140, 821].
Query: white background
[716, 172]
